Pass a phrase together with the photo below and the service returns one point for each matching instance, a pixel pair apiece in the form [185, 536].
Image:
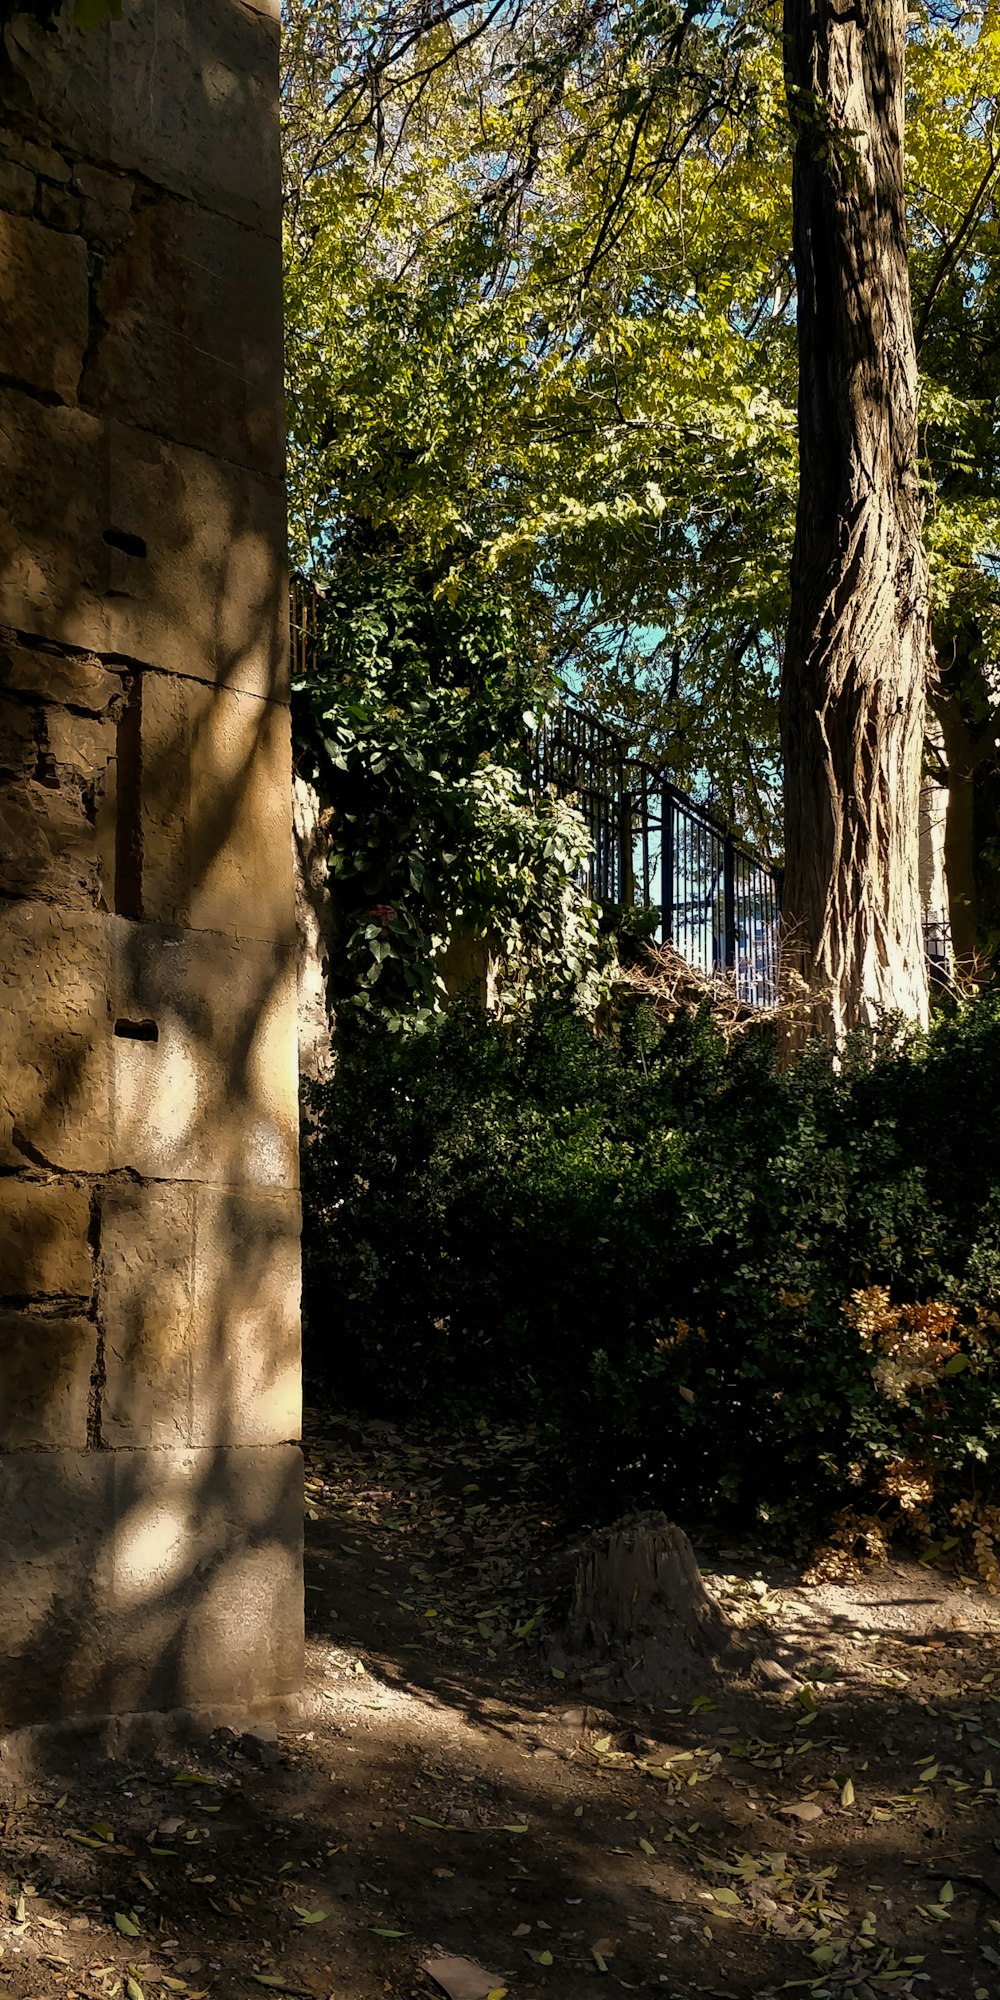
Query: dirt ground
[447, 1791]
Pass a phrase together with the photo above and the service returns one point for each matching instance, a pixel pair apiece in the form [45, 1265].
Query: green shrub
[651, 1246]
[413, 719]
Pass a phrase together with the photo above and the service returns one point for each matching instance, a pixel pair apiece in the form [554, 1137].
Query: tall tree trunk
[961, 758]
[853, 682]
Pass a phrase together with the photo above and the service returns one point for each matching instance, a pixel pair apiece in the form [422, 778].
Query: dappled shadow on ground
[442, 1789]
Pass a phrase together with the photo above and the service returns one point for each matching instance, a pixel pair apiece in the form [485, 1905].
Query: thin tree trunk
[960, 832]
[857, 650]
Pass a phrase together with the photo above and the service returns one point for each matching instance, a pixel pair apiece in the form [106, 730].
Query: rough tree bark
[857, 648]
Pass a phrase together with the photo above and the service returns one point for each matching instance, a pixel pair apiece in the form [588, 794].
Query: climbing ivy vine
[414, 722]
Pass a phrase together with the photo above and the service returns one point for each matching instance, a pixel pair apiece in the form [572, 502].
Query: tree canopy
[540, 323]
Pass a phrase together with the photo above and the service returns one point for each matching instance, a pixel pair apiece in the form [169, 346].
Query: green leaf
[89, 14]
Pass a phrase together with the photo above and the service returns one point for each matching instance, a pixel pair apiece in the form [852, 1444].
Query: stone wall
[150, 1486]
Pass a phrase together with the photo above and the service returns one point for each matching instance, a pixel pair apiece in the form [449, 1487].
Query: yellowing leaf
[727, 1896]
[847, 1792]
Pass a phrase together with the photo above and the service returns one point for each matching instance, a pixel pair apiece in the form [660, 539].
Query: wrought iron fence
[654, 848]
[576, 754]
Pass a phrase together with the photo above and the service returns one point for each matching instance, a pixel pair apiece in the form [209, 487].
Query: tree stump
[640, 1606]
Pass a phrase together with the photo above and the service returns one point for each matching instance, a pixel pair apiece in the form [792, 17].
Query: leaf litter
[445, 1798]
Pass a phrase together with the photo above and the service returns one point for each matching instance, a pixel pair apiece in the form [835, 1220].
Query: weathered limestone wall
[150, 1488]
[315, 924]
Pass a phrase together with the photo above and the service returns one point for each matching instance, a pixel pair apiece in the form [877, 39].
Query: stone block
[145, 1286]
[115, 541]
[215, 790]
[81, 745]
[45, 160]
[246, 1339]
[17, 188]
[205, 1084]
[191, 347]
[55, 1043]
[206, 1577]
[76, 679]
[43, 305]
[56, 1529]
[185, 97]
[199, 1301]
[60, 208]
[148, 1580]
[47, 845]
[108, 190]
[18, 739]
[44, 1239]
[45, 1371]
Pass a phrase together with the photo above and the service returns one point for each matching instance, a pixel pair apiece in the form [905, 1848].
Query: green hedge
[648, 1245]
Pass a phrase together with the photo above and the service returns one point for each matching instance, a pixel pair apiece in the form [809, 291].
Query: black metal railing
[577, 755]
[654, 848]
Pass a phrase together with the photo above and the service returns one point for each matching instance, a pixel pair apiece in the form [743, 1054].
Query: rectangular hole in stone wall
[137, 1031]
[128, 819]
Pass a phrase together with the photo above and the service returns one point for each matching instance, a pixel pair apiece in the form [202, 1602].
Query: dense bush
[732, 1289]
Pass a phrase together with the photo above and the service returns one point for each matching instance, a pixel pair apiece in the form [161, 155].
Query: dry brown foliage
[666, 981]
